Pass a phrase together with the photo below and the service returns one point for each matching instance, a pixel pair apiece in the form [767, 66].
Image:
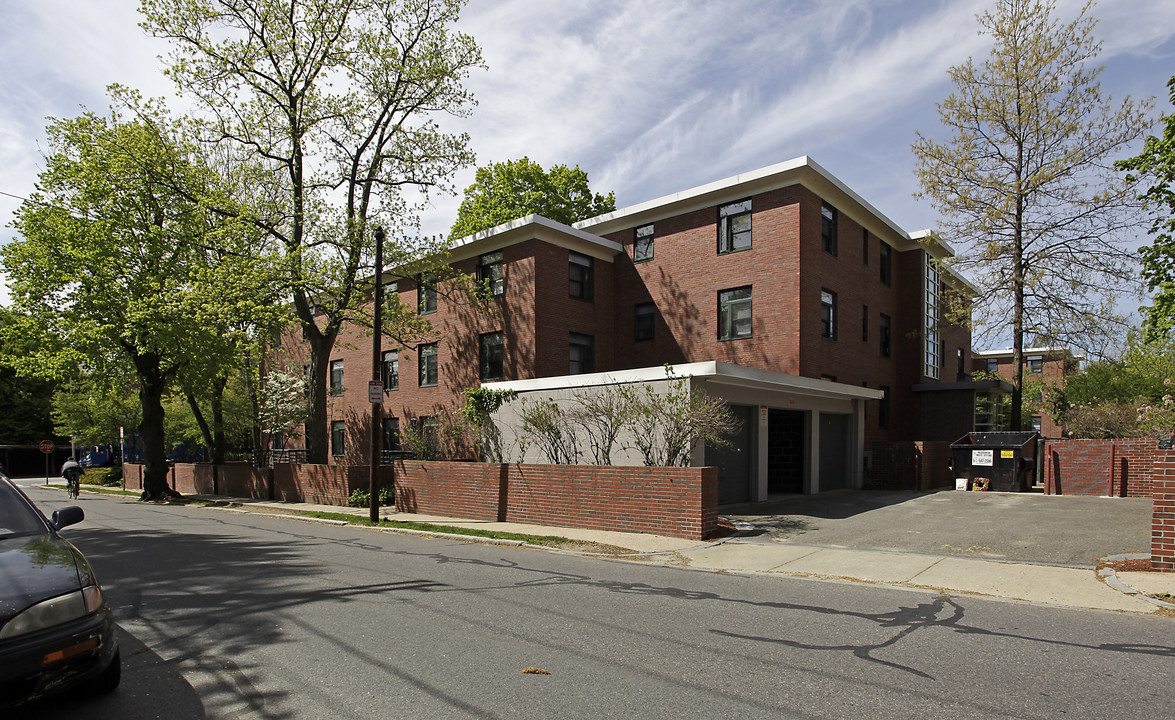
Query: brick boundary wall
[1114, 468]
[1163, 515]
[914, 465]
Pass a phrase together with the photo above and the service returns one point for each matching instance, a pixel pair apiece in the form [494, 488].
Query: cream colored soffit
[714, 372]
[800, 171]
[1007, 352]
[535, 227]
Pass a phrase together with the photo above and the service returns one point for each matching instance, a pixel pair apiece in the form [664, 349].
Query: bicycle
[72, 486]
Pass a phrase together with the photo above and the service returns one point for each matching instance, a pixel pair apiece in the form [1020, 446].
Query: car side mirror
[67, 516]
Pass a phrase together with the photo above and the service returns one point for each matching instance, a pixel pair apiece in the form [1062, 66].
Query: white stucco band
[759, 391]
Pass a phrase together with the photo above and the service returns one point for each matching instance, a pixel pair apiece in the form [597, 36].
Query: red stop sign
[46, 446]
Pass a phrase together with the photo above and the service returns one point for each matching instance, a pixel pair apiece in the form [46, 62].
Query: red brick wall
[1163, 515]
[910, 466]
[242, 481]
[192, 478]
[1117, 468]
[465, 490]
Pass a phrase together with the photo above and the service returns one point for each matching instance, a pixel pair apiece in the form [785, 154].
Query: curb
[1110, 577]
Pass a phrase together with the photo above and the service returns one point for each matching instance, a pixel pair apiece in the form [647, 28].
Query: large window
[391, 370]
[1034, 363]
[490, 273]
[642, 248]
[580, 269]
[827, 314]
[581, 352]
[391, 434]
[993, 365]
[428, 365]
[491, 356]
[734, 313]
[932, 342]
[886, 264]
[336, 377]
[338, 437]
[828, 228]
[426, 294]
[883, 329]
[645, 316]
[734, 226]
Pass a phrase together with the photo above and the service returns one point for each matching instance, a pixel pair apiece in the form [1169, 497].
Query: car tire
[108, 679]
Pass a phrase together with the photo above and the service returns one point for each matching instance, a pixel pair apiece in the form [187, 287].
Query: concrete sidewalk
[1070, 586]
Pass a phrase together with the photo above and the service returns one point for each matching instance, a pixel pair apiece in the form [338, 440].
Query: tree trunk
[151, 386]
[317, 429]
[218, 441]
[200, 420]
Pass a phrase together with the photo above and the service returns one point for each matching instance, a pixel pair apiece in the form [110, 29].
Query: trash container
[1001, 461]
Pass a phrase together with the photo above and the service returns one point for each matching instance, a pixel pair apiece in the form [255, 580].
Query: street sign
[375, 392]
[46, 446]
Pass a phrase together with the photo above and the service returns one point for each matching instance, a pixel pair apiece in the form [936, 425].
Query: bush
[362, 498]
[108, 476]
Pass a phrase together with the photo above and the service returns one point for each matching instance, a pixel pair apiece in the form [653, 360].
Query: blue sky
[649, 97]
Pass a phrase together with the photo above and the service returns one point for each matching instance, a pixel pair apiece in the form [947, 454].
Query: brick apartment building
[780, 290]
[1048, 365]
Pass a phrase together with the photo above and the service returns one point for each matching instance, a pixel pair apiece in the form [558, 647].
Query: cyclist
[72, 472]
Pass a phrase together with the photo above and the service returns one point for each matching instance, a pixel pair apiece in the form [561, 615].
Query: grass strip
[431, 527]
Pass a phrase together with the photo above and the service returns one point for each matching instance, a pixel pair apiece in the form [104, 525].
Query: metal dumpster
[997, 461]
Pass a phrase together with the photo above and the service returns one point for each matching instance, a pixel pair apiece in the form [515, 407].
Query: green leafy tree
[506, 191]
[113, 247]
[333, 100]
[26, 403]
[1025, 184]
[1156, 165]
[282, 403]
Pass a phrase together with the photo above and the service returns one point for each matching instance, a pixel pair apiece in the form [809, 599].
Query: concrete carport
[798, 434]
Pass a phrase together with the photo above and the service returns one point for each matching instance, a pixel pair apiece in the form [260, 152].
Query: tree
[1025, 184]
[1156, 164]
[333, 99]
[114, 248]
[506, 191]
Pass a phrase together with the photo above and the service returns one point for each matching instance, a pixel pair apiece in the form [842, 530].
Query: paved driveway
[1010, 526]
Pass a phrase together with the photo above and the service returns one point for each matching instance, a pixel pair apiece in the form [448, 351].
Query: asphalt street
[228, 614]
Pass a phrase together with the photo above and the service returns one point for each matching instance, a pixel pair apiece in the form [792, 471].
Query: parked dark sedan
[56, 632]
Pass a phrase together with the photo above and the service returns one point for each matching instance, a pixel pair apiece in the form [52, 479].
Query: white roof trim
[1007, 352]
[508, 233]
[717, 372]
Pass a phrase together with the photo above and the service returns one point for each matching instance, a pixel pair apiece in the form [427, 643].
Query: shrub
[362, 498]
[108, 476]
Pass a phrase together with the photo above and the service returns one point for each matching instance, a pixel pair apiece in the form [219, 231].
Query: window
[337, 438]
[428, 365]
[391, 370]
[336, 377]
[886, 264]
[391, 287]
[883, 407]
[426, 294]
[581, 354]
[391, 436]
[642, 247]
[646, 314]
[865, 245]
[734, 227]
[864, 323]
[828, 314]
[932, 342]
[993, 365]
[883, 328]
[828, 228]
[1035, 363]
[581, 276]
[491, 355]
[960, 363]
[490, 273]
[1036, 423]
[734, 313]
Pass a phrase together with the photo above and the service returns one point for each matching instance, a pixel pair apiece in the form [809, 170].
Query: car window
[17, 517]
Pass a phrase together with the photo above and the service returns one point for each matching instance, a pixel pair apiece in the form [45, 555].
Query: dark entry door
[734, 463]
[785, 451]
[834, 451]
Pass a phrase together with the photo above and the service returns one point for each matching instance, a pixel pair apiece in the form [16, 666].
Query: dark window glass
[884, 329]
[993, 365]
[391, 438]
[391, 370]
[426, 294]
[336, 377]
[734, 313]
[886, 260]
[642, 248]
[828, 228]
[734, 227]
[962, 363]
[828, 314]
[1035, 363]
[490, 273]
[864, 323]
[491, 356]
[337, 438]
[646, 314]
[581, 354]
[581, 276]
[428, 365]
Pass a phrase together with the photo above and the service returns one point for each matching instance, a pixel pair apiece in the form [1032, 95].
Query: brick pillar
[1163, 515]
